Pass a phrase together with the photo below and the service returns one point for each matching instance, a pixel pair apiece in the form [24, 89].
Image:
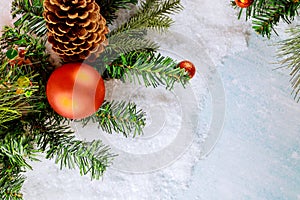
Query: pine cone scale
[76, 28]
[73, 16]
[64, 29]
[60, 14]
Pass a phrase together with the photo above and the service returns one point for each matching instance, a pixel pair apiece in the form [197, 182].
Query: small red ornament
[244, 3]
[75, 90]
[20, 59]
[188, 66]
[22, 53]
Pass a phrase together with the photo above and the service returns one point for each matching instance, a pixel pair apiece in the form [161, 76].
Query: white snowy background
[257, 155]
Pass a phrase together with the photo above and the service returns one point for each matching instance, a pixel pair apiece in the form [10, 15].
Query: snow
[233, 133]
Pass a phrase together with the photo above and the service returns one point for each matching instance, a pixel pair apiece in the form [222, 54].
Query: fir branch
[34, 48]
[13, 37]
[9, 109]
[267, 14]
[132, 40]
[153, 14]
[10, 186]
[148, 68]
[131, 36]
[289, 52]
[109, 8]
[123, 43]
[120, 117]
[31, 16]
[16, 100]
[16, 149]
[59, 143]
[89, 157]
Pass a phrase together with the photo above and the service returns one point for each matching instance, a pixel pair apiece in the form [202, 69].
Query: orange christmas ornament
[188, 66]
[75, 90]
[244, 3]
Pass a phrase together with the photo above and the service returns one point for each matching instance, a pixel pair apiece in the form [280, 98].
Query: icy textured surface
[258, 155]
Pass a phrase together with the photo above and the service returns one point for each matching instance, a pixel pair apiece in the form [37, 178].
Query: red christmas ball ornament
[188, 66]
[75, 90]
[244, 3]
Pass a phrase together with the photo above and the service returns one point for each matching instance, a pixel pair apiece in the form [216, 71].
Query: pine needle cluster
[28, 124]
[148, 69]
[109, 8]
[289, 54]
[31, 12]
[119, 117]
[265, 16]
[152, 14]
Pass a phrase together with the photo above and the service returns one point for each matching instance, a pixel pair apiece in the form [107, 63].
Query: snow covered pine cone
[76, 29]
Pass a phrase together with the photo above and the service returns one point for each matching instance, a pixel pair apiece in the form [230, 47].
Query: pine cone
[76, 29]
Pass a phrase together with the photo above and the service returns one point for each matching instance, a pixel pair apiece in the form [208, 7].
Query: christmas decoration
[76, 28]
[265, 16]
[75, 90]
[38, 102]
[18, 57]
[244, 3]
[188, 66]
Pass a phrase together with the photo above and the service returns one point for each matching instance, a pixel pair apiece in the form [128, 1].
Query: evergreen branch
[109, 8]
[16, 149]
[153, 14]
[120, 117]
[130, 36]
[31, 16]
[10, 186]
[9, 107]
[289, 53]
[89, 157]
[35, 52]
[16, 97]
[132, 40]
[20, 98]
[160, 7]
[123, 43]
[148, 68]
[267, 14]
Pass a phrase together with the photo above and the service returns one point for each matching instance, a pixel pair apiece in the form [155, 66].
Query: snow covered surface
[257, 155]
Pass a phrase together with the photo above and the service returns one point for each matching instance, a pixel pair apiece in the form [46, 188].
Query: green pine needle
[28, 124]
[16, 149]
[289, 52]
[10, 186]
[266, 14]
[58, 142]
[29, 14]
[89, 157]
[152, 14]
[148, 69]
[119, 117]
[109, 8]
[128, 41]
[12, 104]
